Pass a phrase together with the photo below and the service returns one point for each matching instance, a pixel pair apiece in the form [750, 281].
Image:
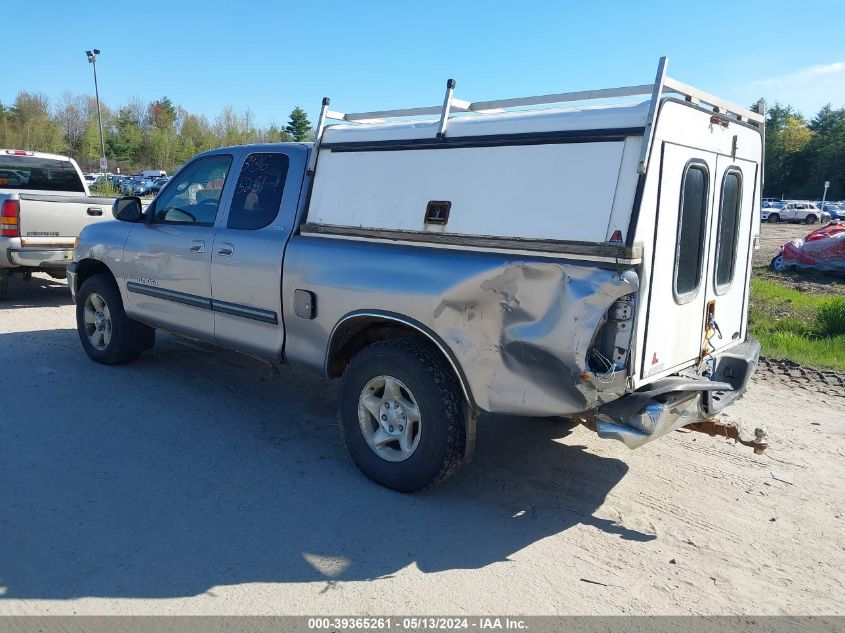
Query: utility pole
[824, 195]
[92, 59]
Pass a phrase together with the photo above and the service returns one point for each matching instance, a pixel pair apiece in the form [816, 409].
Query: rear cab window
[258, 192]
[689, 253]
[34, 173]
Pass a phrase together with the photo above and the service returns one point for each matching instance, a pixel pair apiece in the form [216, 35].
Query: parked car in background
[128, 185]
[770, 207]
[797, 211]
[835, 209]
[158, 185]
[44, 204]
[115, 180]
[149, 187]
[153, 173]
[142, 187]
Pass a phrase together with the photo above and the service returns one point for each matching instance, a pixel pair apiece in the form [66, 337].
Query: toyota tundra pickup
[44, 203]
[590, 263]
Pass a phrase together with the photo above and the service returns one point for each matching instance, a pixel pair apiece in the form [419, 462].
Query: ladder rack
[662, 85]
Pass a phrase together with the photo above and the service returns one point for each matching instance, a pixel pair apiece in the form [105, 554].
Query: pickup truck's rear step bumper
[675, 402]
[41, 258]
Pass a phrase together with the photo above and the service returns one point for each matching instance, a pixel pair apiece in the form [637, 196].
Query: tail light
[10, 219]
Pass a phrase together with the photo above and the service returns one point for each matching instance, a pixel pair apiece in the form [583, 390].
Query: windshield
[39, 174]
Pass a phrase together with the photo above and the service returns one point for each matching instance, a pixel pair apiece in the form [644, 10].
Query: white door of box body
[729, 254]
[678, 288]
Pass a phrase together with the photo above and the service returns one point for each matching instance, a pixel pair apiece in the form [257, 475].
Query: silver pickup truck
[586, 263]
[44, 204]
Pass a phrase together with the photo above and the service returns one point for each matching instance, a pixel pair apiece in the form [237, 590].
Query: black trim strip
[224, 307]
[610, 250]
[170, 295]
[496, 140]
[236, 309]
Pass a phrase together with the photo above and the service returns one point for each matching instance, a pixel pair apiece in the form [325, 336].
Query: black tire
[5, 275]
[774, 218]
[128, 337]
[811, 219]
[442, 439]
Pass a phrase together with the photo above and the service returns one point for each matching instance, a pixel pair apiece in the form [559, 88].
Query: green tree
[162, 113]
[299, 127]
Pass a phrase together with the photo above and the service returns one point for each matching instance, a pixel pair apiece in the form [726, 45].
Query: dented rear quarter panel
[518, 326]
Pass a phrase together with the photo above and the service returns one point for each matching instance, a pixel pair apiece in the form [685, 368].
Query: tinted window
[193, 196]
[726, 238]
[258, 192]
[690, 248]
[39, 174]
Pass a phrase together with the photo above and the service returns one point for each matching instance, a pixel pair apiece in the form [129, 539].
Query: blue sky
[269, 56]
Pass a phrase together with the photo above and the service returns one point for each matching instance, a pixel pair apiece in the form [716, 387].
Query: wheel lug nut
[384, 418]
[401, 428]
[386, 405]
[390, 428]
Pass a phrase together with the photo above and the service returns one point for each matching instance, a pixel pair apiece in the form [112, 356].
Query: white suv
[795, 211]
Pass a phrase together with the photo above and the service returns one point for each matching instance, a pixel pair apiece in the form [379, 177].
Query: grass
[807, 328]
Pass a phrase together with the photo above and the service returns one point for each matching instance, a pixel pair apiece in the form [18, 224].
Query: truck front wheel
[401, 415]
[107, 334]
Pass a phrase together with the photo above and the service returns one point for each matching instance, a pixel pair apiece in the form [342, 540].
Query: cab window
[258, 192]
[193, 196]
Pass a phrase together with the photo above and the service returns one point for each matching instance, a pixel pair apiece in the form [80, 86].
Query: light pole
[824, 195]
[92, 59]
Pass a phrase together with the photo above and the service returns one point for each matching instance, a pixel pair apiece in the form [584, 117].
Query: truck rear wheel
[774, 218]
[401, 415]
[107, 334]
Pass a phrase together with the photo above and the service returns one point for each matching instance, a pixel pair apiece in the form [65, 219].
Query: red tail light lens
[10, 219]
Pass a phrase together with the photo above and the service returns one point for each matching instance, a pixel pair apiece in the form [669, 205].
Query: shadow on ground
[192, 468]
[39, 292]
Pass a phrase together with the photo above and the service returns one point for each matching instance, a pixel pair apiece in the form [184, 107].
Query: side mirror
[127, 209]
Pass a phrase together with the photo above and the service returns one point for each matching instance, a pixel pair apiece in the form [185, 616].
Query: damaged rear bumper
[677, 401]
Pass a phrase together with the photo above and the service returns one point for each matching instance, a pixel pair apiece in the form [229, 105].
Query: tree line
[138, 135]
[800, 153]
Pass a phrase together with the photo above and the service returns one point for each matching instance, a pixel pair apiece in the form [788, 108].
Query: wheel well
[353, 335]
[89, 267]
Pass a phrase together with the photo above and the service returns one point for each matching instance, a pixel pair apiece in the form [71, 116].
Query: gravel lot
[202, 482]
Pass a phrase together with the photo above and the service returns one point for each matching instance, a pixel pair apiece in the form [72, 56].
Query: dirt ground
[195, 481]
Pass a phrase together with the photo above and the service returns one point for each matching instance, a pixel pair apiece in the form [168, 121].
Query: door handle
[95, 211]
[197, 246]
[226, 249]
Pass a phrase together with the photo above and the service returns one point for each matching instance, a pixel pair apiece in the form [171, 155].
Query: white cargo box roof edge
[663, 84]
[586, 162]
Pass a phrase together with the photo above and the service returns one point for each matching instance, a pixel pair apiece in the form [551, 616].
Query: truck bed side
[517, 327]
